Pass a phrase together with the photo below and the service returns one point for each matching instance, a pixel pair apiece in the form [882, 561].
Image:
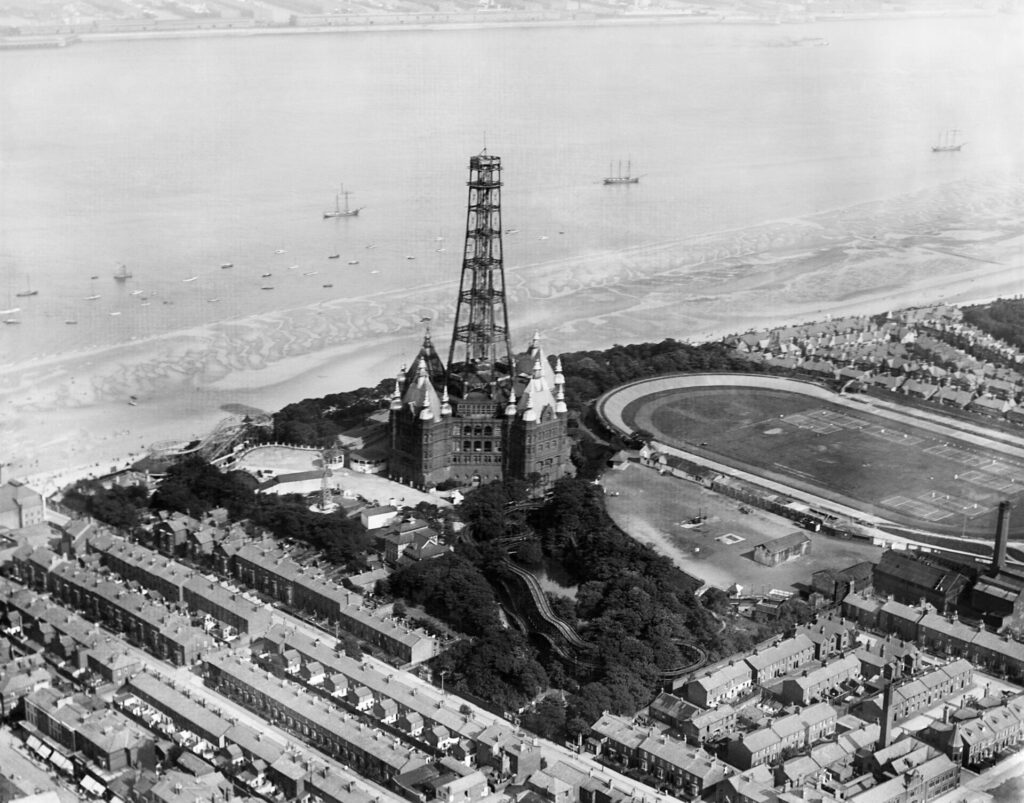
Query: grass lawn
[903, 472]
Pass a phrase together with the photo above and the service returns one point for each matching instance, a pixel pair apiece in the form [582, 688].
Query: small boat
[338, 211]
[334, 256]
[212, 300]
[267, 287]
[293, 267]
[93, 297]
[511, 231]
[123, 274]
[11, 320]
[132, 403]
[542, 237]
[71, 322]
[114, 314]
[190, 279]
[371, 245]
[353, 262]
[143, 304]
[311, 273]
[949, 141]
[94, 277]
[266, 275]
[374, 271]
[136, 293]
[27, 293]
[279, 251]
[619, 178]
[10, 311]
[410, 257]
[227, 265]
[328, 285]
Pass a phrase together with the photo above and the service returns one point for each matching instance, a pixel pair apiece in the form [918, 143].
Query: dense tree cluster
[195, 487]
[452, 589]
[632, 604]
[498, 665]
[317, 422]
[120, 507]
[1002, 318]
[588, 374]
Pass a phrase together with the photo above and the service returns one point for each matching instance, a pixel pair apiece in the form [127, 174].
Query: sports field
[903, 472]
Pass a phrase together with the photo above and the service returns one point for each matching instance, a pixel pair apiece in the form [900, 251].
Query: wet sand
[72, 412]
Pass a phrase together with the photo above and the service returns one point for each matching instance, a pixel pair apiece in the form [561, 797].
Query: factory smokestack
[892, 675]
[1002, 536]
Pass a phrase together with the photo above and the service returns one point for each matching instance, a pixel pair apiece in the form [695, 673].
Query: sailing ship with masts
[338, 211]
[949, 140]
[620, 177]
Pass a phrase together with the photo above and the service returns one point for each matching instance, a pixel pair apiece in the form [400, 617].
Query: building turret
[559, 376]
[429, 357]
[560, 406]
[446, 405]
[396, 396]
[510, 408]
[420, 397]
[537, 393]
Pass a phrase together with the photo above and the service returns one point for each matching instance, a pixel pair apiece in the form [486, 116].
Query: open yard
[654, 509]
[901, 471]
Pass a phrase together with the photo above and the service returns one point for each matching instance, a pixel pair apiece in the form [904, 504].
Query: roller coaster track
[217, 443]
[568, 632]
[540, 599]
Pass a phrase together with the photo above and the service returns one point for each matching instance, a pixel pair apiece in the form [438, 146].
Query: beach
[71, 413]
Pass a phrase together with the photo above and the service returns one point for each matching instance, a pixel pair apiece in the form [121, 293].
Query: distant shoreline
[51, 39]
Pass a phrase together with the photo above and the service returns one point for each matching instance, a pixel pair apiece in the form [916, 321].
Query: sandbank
[954, 243]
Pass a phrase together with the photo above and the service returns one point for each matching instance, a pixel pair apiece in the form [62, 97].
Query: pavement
[27, 772]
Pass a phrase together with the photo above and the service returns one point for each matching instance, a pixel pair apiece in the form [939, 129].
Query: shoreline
[72, 409]
[24, 41]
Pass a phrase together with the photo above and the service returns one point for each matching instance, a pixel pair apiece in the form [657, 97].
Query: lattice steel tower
[480, 351]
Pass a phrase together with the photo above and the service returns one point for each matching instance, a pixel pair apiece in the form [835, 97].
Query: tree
[350, 644]
[547, 719]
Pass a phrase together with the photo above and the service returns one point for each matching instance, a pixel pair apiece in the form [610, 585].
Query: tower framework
[480, 347]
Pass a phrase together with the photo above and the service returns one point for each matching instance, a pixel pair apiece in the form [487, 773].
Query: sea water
[177, 156]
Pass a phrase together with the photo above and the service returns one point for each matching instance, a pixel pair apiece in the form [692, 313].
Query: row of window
[479, 446]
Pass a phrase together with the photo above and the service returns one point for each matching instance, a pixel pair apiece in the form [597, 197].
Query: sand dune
[72, 410]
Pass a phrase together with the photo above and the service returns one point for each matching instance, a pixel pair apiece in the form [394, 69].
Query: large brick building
[487, 414]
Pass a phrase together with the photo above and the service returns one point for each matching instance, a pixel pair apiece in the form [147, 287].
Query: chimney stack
[892, 674]
[1002, 536]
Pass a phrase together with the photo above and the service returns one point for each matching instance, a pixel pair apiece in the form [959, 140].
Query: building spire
[510, 408]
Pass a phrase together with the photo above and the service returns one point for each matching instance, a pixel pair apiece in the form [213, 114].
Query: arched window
[487, 446]
[466, 446]
[488, 431]
[477, 446]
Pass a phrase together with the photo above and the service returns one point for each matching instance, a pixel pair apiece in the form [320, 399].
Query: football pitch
[900, 471]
